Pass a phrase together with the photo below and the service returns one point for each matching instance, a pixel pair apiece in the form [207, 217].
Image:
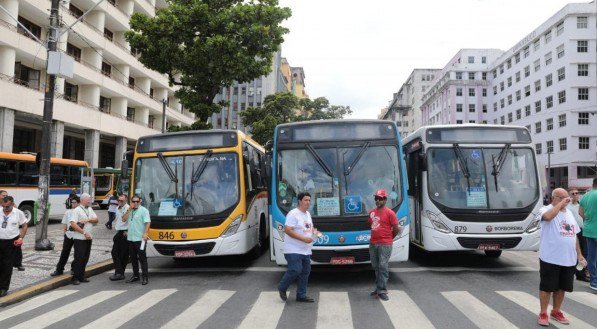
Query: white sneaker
[594, 288]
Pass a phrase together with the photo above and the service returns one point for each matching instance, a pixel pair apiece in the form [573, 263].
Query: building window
[549, 124]
[586, 172]
[525, 50]
[560, 51]
[484, 59]
[537, 85]
[108, 34]
[502, 86]
[548, 58]
[537, 106]
[106, 69]
[517, 57]
[583, 118]
[518, 95]
[458, 107]
[494, 74]
[494, 107]
[548, 102]
[471, 59]
[549, 146]
[537, 127]
[105, 104]
[536, 45]
[33, 28]
[562, 97]
[581, 22]
[130, 114]
[471, 107]
[458, 75]
[502, 69]
[561, 73]
[537, 64]
[458, 91]
[509, 81]
[583, 70]
[483, 75]
[582, 46]
[547, 37]
[583, 94]
[562, 120]
[459, 122]
[517, 76]
[548, 80]
[131, 82]
[484, 92]
[509, 117]
[495, 121]
[502, 104]
[471, 121]
[509, 63]
[26, 76]
[527, 91]
[150, 120]
[495, 90]
[71, 92]
[509, 99]
[74, 10]
[484, 108]
[471, 75]
[471, 91]
[563, 144]
[518, 114]
[73, 51]
[583, 143]
[560, 28]
[527, 71]
[502, 120]
[538, 148]
[527, 111]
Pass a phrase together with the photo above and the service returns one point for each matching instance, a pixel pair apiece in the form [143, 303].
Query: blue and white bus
[341, 163]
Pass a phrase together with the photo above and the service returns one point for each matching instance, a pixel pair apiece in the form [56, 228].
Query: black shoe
[283, 295]
[84, 280]
[108, 226]
[75, 282]
[3, 292]
[56, 273]
[383, 296]
[20, 268]
[373, 293]
[133, 278]
[305, 300]
[116, 277]
[144, 280]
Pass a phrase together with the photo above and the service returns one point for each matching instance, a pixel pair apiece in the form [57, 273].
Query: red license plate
[495, 246]
[342, 260]
[184, 253]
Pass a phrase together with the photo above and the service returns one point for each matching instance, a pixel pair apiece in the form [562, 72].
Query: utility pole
[41, 233]
[164, 103]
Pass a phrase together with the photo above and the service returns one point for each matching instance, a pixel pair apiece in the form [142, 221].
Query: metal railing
[24, 83]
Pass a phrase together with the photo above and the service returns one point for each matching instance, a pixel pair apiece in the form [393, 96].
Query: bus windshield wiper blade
[201, 168]
[169, 171]
[463, 165]
[319, 160]
[356, 159]
[497, 167]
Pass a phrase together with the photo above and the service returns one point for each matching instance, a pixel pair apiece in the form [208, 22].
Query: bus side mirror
[422, 162]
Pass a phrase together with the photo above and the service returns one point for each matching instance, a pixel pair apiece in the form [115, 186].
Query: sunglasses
[379, 199]
[135, 201]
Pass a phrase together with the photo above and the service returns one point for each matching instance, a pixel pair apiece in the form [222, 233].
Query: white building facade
[111, 100]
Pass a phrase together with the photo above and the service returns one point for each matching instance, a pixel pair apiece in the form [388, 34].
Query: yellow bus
[205, 192]
[19, 176]
[106, 182]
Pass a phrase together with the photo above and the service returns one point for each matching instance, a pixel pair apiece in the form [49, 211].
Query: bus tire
[493, 253]
[28, 210]
[261, 240]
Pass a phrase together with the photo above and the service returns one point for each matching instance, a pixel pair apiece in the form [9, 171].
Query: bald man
[559, 252]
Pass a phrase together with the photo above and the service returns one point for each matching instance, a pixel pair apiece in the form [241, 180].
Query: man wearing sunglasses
[11, 237]
[139, 222]
[384, 228]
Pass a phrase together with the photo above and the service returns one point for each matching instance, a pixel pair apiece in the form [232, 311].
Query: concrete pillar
[12, 6]
[7, 129]
[92, 141]
[143, 84]
[8, 56]
[57, 139]
[142, 115]
[118, 106]
[97, 19]
[89, 94]
[120, 148]
[175, 104]
[119, 39]
[127, 6]
[121, 73]
[160, 93]
[91, 57]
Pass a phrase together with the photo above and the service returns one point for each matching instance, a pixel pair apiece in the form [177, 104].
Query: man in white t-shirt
[12, 231]
[298, 240]
[559, 253]
[82, 220]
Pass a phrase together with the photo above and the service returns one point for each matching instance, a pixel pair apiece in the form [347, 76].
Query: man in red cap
[384, 227]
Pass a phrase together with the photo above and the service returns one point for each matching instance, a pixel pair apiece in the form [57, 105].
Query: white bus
[473, 187]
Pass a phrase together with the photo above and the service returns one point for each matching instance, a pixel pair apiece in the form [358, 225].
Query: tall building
[405, 106]
[294, 78]
[111, 100]
[546, 82]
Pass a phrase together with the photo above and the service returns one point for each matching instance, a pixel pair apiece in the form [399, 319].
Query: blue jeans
[592, 260]
[380, 258]
[299, 267]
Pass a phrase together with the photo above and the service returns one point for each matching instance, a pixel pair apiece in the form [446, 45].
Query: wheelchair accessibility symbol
[353, 204]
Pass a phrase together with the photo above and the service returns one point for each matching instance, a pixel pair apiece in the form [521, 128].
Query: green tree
[204, 45]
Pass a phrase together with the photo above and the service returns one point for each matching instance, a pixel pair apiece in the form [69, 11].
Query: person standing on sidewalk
[120, 249]
[18, 255]
[67, 244]
[384, 227]
[298, 241]
[11, 237]
[574, 207]
[559, 252]
[81, 222]
[112, 206]
[588, 210]
[139, 222]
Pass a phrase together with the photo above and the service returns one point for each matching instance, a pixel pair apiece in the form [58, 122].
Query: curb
[53, 283]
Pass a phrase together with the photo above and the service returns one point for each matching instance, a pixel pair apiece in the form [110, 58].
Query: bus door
[415, 166]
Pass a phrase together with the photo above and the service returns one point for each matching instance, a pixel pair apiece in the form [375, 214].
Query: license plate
[342, 260]
[184, 253]
[495, 246]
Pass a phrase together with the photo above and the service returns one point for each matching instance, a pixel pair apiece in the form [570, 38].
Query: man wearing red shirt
[384, 227]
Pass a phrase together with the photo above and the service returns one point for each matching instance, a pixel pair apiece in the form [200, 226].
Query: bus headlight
[534, 226]
[233, 227]
[437, 223]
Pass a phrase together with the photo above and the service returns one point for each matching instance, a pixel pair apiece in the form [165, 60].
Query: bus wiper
[319, 160]
[201, 168]
[497, 167]
[170, 173]
[356, 159]
[463, 166]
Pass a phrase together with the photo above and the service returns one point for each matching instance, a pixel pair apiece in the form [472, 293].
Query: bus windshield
[103, 183]
[514, 186]
[215, 190]
[357, 173]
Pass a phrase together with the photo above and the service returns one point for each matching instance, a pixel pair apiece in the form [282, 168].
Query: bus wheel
[493, 253]
[28, 210]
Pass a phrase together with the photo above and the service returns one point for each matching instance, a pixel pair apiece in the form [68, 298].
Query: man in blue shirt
[139, 221]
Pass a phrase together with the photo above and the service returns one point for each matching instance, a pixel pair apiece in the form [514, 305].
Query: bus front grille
[325, 256]
[473, 243]
[198, 248]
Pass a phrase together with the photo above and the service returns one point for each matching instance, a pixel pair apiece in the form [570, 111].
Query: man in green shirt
[139, 221]
[588, 210]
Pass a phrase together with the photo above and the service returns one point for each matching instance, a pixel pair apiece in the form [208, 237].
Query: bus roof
[521, 136]
[31, 158]
[192, 139]
[342, 129]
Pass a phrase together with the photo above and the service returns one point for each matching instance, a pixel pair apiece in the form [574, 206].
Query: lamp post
[549, 153]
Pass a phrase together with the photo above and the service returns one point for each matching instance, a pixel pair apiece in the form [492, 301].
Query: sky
[358, 53]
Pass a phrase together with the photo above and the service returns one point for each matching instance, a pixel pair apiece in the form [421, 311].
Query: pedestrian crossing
[265, 310]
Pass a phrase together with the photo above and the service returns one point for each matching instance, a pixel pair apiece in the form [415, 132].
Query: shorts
[556, 277]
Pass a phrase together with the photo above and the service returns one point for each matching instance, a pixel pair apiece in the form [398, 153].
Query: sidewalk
[39, 264]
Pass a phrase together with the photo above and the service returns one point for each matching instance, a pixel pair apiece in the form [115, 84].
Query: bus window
[58, 175]
[28, 174]
[8, 172]
[75, 176]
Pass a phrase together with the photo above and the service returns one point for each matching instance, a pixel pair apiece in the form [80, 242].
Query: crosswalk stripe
[265, 313]
[334, 311]
[404, 313]
[130, 310]
[200, 311]
[68, 310]
[585, 298]
[475, 310]
[531, 303]
[35, 303]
